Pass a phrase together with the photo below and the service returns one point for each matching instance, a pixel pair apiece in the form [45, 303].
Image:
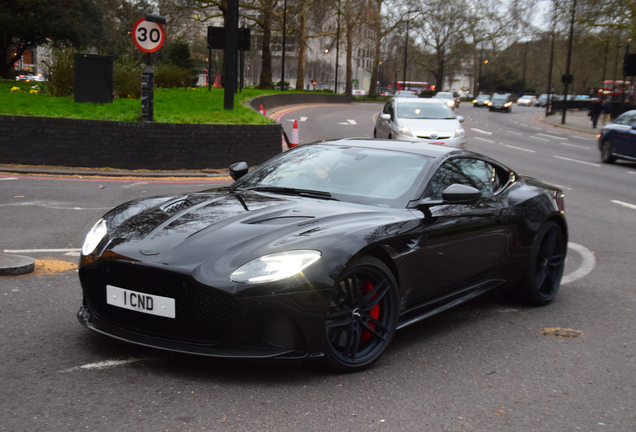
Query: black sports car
[322, 252]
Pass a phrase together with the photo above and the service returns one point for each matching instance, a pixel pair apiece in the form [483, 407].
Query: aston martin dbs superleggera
[322, 252]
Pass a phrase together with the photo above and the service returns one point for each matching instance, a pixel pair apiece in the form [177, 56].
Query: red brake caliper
[374, 313]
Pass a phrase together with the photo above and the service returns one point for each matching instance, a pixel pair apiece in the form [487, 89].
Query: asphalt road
[484, 366]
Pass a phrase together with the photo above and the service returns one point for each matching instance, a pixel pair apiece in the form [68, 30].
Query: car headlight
[405, 131]
[94, 236]
[450, 103]
[475, 101]
[460, 133]
[507, 104]
[275, 266]
[488, 103]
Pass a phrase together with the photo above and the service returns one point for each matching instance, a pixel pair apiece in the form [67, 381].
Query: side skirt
[436, 306]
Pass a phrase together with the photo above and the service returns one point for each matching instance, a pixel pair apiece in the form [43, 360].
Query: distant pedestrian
[595, 111]
[607, 112]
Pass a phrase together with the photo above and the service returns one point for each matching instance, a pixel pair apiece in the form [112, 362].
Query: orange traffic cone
[294, 138]
[260, 110]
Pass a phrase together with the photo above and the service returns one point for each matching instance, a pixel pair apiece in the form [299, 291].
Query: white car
[527, 101]
[421, 120]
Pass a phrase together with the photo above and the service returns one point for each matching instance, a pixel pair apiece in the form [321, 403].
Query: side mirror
[461, 119]
[458, 193]
[384, 116]
[238, 170]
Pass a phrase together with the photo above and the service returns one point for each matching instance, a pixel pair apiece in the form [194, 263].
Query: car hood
[213, 233]
[423, 127]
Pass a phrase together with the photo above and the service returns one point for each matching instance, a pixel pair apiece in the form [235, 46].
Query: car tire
[359, 325]
[606, 153]
[509, 110]
[390, 136]
[375, 133]
[490, 109]
[541, 279]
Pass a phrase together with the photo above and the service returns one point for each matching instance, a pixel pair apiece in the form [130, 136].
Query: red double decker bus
[416, 86]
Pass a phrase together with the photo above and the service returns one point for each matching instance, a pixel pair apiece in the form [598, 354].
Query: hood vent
[176, 206]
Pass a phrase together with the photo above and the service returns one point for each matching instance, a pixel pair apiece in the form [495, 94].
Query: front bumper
[208, 322]
[459, 143]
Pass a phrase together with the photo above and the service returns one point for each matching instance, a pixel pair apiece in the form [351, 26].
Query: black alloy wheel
[362, 316]
[542, 277]
[606, 153]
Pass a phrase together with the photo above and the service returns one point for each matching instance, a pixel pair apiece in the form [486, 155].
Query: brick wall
[126, 145]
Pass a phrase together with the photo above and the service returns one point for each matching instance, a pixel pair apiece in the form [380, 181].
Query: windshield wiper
[292, 191]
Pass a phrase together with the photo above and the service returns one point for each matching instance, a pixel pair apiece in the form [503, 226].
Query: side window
[625, 119]
[465, 171]
[386, 108]
[392, 111]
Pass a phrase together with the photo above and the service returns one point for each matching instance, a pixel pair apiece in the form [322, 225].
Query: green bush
[169, 76]
[60, 68]
[127, 77]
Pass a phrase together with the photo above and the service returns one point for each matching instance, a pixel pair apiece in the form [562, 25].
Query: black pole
[209, 68]
[547, 104]
[618, 48]
[481, 63]
[567, 73]
[624, 77]
[335, 90]
[525, 64]
[231, 47]
[242, 65]
[406, 45]
[282, 65]
[605, 63]
[147, 91]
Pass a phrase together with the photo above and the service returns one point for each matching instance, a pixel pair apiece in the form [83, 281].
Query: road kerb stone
[13, 265]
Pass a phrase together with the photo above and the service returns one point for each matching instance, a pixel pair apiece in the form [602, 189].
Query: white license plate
[140, 302]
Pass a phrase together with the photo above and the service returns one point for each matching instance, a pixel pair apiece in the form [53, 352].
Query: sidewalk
[574, 119]
[95, 172]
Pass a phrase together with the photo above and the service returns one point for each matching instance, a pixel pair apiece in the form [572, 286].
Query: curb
[81, 172]
[541, 119]
[14, 265]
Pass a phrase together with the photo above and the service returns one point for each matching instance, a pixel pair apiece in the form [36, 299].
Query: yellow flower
[33, 91]
[15, 89]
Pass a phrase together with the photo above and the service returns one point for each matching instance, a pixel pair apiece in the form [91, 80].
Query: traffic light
[313, 82]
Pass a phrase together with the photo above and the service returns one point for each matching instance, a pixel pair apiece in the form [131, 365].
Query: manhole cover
[561, 332]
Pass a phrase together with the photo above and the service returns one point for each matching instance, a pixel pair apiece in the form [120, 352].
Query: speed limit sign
[148, 36]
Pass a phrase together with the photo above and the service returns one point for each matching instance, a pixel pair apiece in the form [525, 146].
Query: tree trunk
[349, 27]
[439, 83]
[266, 71]
[302, 47]
[377, 51]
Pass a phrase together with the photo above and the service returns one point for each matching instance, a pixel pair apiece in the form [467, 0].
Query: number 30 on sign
[148, 36]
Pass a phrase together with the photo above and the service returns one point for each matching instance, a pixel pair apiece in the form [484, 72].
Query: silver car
[421, 120]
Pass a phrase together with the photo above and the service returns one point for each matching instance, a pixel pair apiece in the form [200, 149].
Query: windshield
[444, 95]
[420, 110]
[500, 97]
[354, 174]
[483, 97]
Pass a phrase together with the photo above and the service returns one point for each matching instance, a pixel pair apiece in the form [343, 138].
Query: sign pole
[231, 48]
[147, 91]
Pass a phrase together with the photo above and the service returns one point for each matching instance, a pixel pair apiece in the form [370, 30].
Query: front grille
[202, 315]
[429, 137]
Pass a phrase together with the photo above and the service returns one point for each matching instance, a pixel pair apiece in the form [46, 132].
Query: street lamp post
[568, 77]
[282, 66]
[481, 62]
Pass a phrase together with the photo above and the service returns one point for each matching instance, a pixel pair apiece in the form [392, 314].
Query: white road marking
[589, 261]
[577, 161]
[104, 364]
[560, 186]
[552, 136]
[21, 251]
[624, 204]
[481, 131]
[353, 122]
[302, 119]
[73, 254]
[53, 205]
[520, 148]
[537, 138]
[516, 133]
[9, 178]
[484, 139]
[631, 172]
[577, 146]
[135, 184]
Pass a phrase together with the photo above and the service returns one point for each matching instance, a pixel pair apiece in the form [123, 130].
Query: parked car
[450, 99]
[500, 102]
[423, 120]
[359, 92]
[322, 252]
[482, 100]
[618, 139]
[527, 100]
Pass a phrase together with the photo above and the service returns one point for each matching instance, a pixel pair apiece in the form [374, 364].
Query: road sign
[148, 36]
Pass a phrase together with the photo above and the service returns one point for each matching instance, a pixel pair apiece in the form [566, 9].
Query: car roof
[420, 148]
[422, 100]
